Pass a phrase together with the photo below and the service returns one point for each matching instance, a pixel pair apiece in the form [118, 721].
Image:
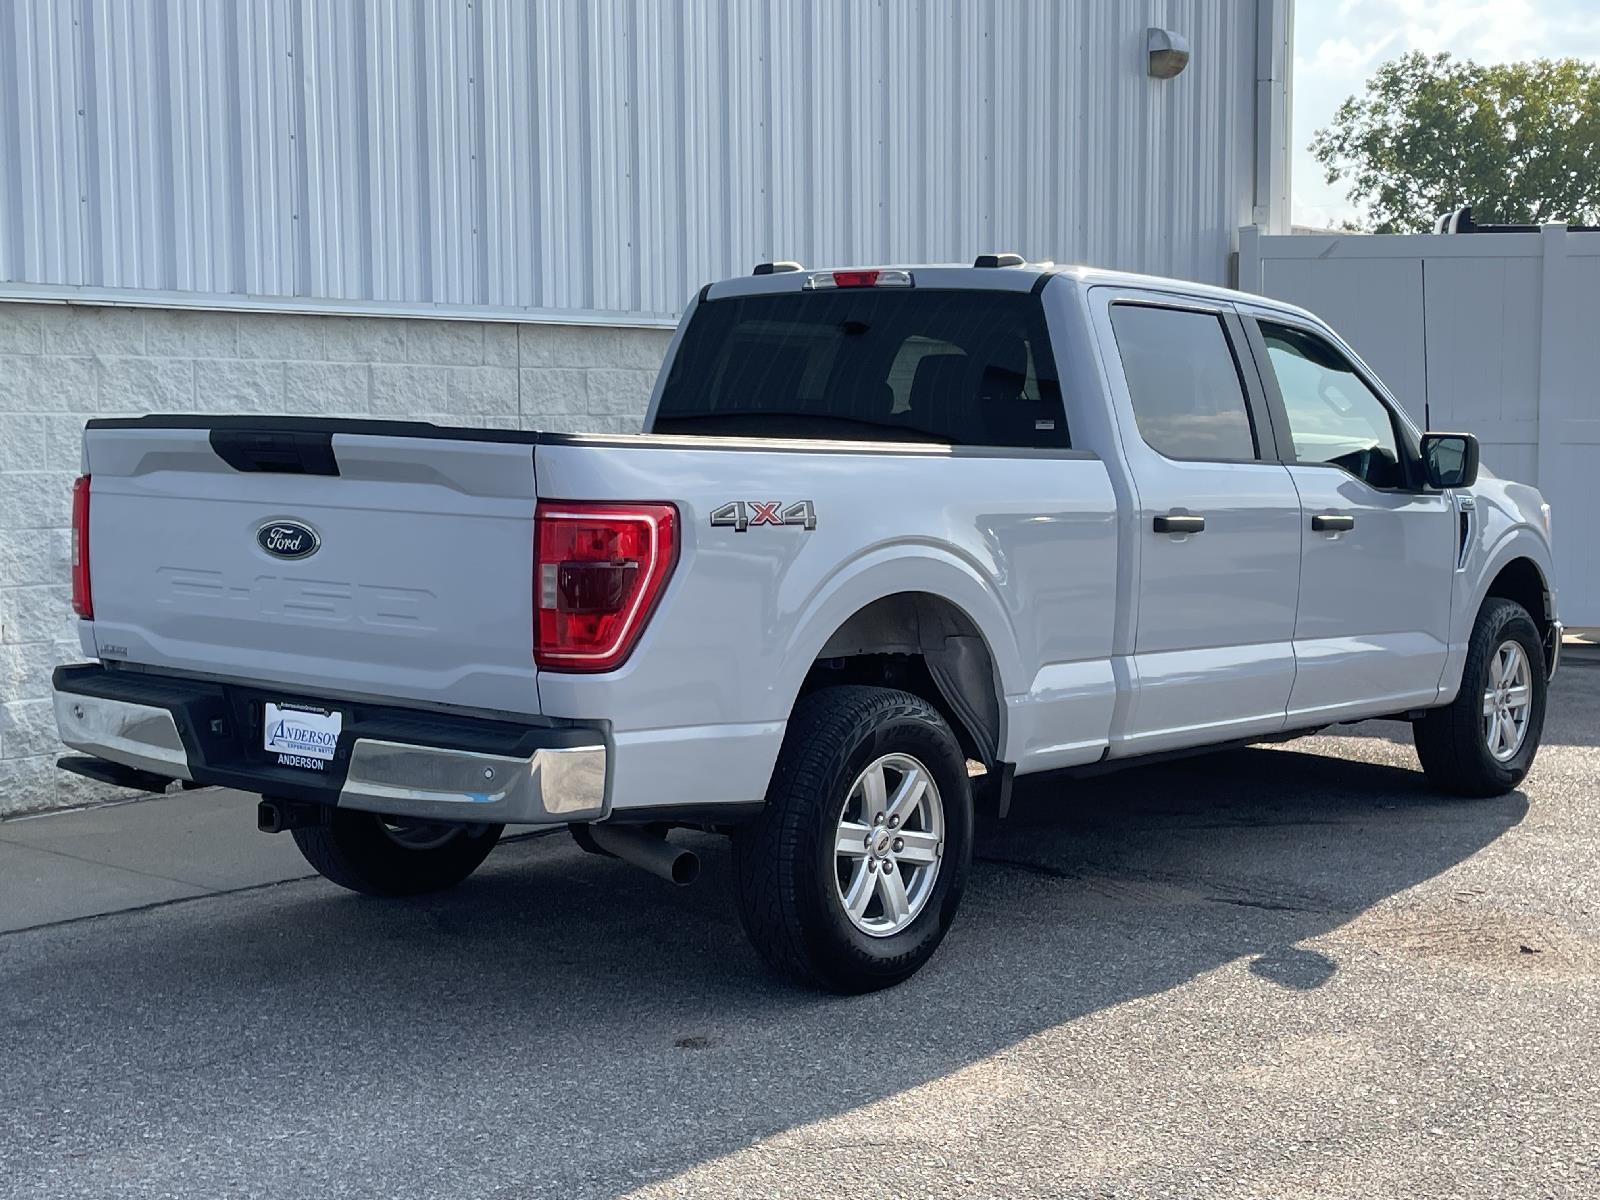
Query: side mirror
[1449, 460]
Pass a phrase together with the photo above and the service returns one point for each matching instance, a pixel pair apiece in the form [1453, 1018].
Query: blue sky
[1339, 43]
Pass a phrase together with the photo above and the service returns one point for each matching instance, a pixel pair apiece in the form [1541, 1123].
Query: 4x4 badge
[741, 515]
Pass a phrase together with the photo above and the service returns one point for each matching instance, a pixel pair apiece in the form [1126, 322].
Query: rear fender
[897, 569]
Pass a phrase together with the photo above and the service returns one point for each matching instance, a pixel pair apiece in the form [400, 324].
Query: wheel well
[1521, 581]
[923, 644]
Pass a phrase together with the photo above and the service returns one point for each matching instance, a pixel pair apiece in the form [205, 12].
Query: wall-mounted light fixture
[1169, 53]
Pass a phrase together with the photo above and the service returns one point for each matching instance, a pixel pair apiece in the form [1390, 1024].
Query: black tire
[784, 861]
[357, 850]
[1452, 742]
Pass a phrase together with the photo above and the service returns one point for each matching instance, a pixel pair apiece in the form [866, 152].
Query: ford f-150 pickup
[893, 537]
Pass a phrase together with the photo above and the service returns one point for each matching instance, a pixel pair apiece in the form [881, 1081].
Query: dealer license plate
[302, 737]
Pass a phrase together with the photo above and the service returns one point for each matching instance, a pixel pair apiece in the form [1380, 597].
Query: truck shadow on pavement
[565, 1025]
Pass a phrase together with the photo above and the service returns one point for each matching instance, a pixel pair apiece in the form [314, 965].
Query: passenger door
[1215, 532]
[1379, 557]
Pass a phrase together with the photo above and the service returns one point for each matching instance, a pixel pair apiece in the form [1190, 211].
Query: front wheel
[852, 874]
[391, 856]
[1484, 741]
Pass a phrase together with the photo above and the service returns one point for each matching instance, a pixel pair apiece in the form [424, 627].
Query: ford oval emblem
[288, 539]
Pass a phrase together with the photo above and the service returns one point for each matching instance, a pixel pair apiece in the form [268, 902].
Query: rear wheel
[1484, 741]
[391, 856]
[852, 874]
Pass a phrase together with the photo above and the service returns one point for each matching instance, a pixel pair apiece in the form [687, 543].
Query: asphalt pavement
[1275, 972]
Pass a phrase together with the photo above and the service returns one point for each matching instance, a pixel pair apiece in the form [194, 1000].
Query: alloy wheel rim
[1507, 701]
[888, 845]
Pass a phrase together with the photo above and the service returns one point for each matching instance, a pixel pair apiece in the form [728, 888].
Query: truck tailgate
[413, 584]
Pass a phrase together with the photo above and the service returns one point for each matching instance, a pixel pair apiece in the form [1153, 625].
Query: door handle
[1179, 523]
[1333, 522]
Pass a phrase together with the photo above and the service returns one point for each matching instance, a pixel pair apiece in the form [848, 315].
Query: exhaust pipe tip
[655, 854]
[685, 868]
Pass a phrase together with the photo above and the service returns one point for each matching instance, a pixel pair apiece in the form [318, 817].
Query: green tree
[1520, 142]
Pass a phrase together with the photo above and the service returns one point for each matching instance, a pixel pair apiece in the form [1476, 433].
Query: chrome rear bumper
[560, 784]
[136, 735]
[188, 730]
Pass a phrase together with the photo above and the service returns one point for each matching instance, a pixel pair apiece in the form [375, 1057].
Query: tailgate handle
[278, 452]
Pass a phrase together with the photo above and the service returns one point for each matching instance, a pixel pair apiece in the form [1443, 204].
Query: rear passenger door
[1215, 534]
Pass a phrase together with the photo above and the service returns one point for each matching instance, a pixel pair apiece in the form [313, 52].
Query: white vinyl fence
[1496, 334]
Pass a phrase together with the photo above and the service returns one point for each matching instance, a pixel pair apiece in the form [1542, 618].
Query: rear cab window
[965, 367]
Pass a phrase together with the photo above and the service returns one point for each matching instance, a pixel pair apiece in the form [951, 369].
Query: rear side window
[969, 368]
[1187, 396]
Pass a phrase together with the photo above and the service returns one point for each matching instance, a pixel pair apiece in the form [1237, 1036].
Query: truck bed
[421, 589]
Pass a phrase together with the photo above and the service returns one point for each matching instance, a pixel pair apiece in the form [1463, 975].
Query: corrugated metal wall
[605, 156]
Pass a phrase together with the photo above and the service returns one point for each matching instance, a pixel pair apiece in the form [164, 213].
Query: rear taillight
[82, 601]
[598, 570]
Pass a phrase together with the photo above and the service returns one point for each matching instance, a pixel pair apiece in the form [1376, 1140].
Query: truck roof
[1019, 278]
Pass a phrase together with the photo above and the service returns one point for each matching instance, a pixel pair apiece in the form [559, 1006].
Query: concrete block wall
[63, 364]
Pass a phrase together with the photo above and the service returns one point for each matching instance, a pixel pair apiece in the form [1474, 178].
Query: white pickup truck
[894, 535]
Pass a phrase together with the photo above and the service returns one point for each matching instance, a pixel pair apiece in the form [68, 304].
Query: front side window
[965, 367]
[1188, 399]
[1334, 417]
